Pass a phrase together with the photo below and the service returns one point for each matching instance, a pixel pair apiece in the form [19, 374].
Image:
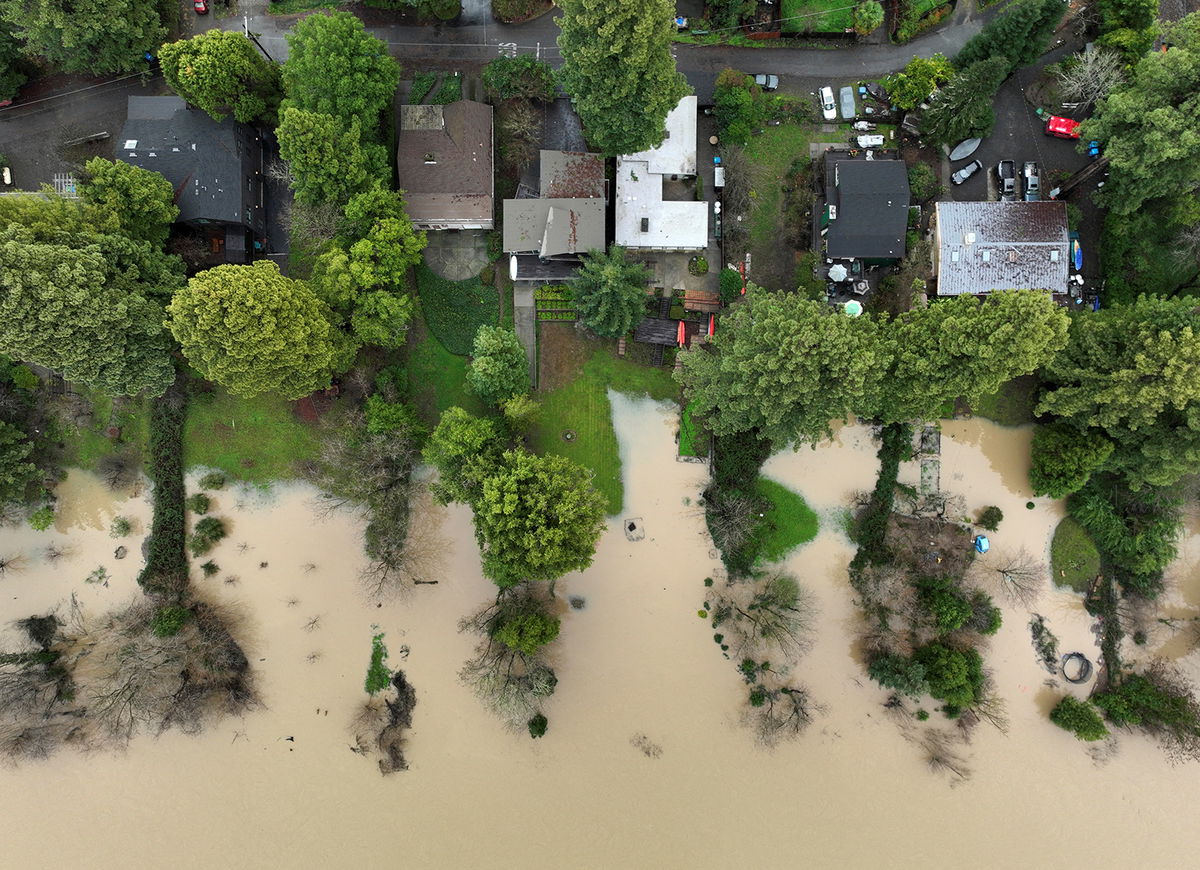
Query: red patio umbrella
[681, 336]
[712, 325]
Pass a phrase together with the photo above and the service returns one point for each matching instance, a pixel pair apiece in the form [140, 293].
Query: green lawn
[790, 522]
[437, 378]
[1074, 560]
[693, 438]
[291, 7]
[454, 310]
[84, 447]
[1011, 405]
[256, 440]
[772, 153]
[827, 16]
[582, 407]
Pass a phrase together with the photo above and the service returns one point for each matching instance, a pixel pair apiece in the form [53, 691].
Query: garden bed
[827, 16]
[454, 310]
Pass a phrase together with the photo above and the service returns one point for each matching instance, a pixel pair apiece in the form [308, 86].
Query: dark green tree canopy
[499, 367]
[464, 450]
[610, 292]
[16, 471]
[327, 160]
[1064, 458]
[223, 73]
[62, 307]
[915, 83]
[12, 75]
[962, 108]
[1019, 33]
[618, 69]
[254, 331]
[87, 36]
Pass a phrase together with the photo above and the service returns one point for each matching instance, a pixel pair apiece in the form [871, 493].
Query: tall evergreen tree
[1021, 32]
[962, 108]
[610, 292]
[223, 73]
[618, 69]
[87, 36]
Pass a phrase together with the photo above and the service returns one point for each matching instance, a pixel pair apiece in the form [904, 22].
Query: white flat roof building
[643, 218]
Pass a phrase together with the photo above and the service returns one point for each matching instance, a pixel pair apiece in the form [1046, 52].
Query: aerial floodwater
[647, 761]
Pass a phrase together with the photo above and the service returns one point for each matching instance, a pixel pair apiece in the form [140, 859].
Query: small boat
[964, 149]
[1077, 254]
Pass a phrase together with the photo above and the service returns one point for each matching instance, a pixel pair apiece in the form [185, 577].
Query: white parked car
[875, 141]
[828, 106]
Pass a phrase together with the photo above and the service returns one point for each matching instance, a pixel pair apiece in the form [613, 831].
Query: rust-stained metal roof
[571, 175]
[985, 246]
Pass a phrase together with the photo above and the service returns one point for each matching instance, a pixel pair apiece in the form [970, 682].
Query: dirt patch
[563, 350]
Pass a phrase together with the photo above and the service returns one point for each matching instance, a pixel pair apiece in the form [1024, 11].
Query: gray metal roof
[985, 246]
[871, 197]
[552, 227]
[206, 161]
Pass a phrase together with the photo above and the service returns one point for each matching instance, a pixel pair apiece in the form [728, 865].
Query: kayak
[965, 149]
[1077, 254]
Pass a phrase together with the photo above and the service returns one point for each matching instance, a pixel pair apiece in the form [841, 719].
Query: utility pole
[254, 37]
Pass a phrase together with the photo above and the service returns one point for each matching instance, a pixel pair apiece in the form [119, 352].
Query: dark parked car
[966, 172]
[1033, 181]
[1006, 177]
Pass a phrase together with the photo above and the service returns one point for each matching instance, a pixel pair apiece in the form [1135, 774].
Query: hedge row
[166, 568]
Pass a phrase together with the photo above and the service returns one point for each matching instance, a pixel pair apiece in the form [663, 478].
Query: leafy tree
[1133, 14]
[967, 346]
[1147, 126]
[87, 36]
[521, 77]
[70, 308]
[918, 80]
[785, 366]
[1080, 718]
[499, 367]
[1149, 701]
[737, 106]
[527, 632]
[618, 69]
[379, 675]
[223, 73]
[610, 292]
[949, 609]
[900, 674]
[12, 74]
[955, 676]
[328, 164]
[381, 260]
[366, 209]
[464, 450]
[520, 413]
[1135, 531]
[16, 471]
[381, 318]
[1020, 33]
[1130, 44]
[254, 331]
[868, 15]
[537, 518]
[336, 68]
[127, 199]
[1133, 372]
[962, 109]
[1064, 458]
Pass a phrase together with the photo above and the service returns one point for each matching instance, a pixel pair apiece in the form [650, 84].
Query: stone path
[525, 324]
[458, 254]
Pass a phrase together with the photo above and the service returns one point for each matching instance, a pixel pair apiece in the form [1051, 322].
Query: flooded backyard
[646, 762]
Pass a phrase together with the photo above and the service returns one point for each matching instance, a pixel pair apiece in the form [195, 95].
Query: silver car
[766, 81]
[966, 172]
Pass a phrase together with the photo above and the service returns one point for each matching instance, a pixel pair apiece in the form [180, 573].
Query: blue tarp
[981, 543]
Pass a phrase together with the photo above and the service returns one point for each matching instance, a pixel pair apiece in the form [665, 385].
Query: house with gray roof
[984, 246]
[216, 168]
[444, 162]
[547, 232]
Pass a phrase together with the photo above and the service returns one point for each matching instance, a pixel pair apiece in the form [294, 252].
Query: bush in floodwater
[990, 517]
[379, 676]
[120, 527]
[169, 620]
[538, 725]
[213, 480]
[210, 568]
[1080, 718]
[198, 503]
[205, 536]
[42, 518]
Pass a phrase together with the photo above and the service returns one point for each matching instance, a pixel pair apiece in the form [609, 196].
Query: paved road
[478, 38]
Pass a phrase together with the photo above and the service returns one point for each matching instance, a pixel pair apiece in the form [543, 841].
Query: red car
[201, 6]
[1063, 128]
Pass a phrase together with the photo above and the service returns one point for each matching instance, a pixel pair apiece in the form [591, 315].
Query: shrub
[737, 106]
[990, 518]
[949, 609]
[1074, 216]
[205, 536]
[210, 568]
[449, 92]
[514, 11]
[698, 266]
[42, 518]
[454, 310]
[198, 503]
[730, 285]
[985, 616]
[423, 83]
[527, 632]
[384, 416]
[167, 621]
[521, 77]
[538, 725]
[955, 676]
[923, 182]
[379, 676]
[1151, 703]
[868, 16]
[1080, 718]
[900, 674]
[870, 528]
[120, 527]
[212, 480]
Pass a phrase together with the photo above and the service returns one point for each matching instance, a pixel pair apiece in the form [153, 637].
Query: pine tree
[610, 292]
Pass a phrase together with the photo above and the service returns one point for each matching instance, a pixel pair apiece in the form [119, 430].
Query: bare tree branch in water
[781, 714]
[54, 552]
[1019, 577]
[13, 562]
[733, 516]
[402, 558]
[120, 470]
[773, 616]
[942, 757]
[381, 721]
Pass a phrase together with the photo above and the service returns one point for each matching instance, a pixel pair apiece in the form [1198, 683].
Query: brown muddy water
[646, 762]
